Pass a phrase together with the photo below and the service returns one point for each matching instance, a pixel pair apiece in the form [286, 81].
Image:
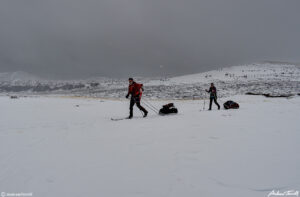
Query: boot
[130, 114]
[145, 114]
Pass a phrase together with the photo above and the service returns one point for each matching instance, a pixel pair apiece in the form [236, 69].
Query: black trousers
[137, 101]
[215, 100]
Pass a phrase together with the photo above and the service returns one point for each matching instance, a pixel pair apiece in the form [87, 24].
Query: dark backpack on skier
[168, 109]
[231, 105]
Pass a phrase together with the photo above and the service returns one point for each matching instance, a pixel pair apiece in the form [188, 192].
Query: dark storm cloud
[82, 38]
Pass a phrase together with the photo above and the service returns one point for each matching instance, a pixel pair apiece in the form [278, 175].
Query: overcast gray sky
[120, 38]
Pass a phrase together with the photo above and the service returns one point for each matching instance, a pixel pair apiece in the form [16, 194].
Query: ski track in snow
[54, 146]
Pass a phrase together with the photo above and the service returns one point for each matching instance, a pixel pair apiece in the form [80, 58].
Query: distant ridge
[258, 78]
[247, 72]
[281, 62]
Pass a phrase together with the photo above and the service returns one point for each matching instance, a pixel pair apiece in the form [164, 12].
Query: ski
[118, 119]
[206, 110]
[126, 118]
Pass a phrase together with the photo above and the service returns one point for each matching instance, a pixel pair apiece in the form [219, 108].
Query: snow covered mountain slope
[253, 72]
[269, 78]
[70, 147]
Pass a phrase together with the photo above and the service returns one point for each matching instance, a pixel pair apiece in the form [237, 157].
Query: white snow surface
[54, 146]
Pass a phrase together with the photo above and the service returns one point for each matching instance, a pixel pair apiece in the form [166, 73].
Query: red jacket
[135, 89]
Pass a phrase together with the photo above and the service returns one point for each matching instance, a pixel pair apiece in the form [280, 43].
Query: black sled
[168, 109]
[231, 105]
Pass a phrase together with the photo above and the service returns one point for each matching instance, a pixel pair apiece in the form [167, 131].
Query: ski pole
[149, 103]
[154, 110]
[150, 106]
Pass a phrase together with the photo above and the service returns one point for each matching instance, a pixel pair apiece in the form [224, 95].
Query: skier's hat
[130, 79]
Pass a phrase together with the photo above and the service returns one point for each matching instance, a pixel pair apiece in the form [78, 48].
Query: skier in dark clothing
[135, 90]
[213, 96]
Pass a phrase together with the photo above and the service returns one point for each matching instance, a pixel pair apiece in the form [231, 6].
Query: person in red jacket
[136, 91]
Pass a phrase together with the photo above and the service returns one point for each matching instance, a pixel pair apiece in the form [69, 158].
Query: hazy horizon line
[41, 77]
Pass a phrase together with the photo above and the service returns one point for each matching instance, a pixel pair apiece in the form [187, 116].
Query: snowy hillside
[70, 147]
[270, 78]
[253, 72]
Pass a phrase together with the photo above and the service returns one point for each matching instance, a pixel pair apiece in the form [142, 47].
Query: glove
[127, 96]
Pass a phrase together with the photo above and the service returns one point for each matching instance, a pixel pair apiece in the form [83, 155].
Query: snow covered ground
[55, 146]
